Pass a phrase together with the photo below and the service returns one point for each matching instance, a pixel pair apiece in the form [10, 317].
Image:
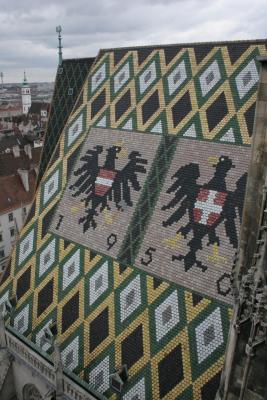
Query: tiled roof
[37, 106]
[10, 164]
[136, 220]
[69, 80]
[13, 194]
[18, 119]
[10, 107]
[7, 142]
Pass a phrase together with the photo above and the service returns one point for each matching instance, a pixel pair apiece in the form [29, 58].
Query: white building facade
[11, 222]
[26, 97]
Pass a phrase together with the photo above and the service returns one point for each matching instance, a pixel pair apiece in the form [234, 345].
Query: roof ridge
[156, 46]
[79, 59]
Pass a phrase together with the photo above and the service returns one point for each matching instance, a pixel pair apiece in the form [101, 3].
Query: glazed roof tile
[70, 75]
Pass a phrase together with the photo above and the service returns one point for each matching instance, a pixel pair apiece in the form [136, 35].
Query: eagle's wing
[185, 181]
[87, 174]
[127, 178]
[239, 194]
[234, 201]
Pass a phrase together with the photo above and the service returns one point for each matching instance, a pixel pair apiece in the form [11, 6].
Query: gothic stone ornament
[30, 392]
[193, 232]
[104, 188]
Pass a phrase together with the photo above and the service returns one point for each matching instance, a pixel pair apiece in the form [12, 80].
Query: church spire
[25, 83]
[58, 30]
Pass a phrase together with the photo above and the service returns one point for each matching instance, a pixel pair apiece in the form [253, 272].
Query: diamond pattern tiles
[247, 78]
[40, 337]
[26, 246]
[147, 77]
[181, 108]
[146, 347]
[71, 269]
[133, 341]
[99, 77]
[51, 186]
[70, 355]
[98, 104]
[167, 315]
[214, 72]
[177, 77]
[99, 376]
[138, 391]
[122, 105]
[99, 329]
[173, 361]
[150, 106]
[47, 257]
[109, 311]
[98, 283]
[70, 312]
[209, 335]
[130, 298]
[209, 78]
[21, 321]
[121, 77]
[130, 312]
[76, 129]
[216, 111]
[23, 283]
[45, 297]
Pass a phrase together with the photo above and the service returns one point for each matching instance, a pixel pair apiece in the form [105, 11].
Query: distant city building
[40, 110]
[26, 96]
[12, 120]
[22, 126]
[24, 107]
[18, 169]
[10, 110]
[14, 205]
[9, 141]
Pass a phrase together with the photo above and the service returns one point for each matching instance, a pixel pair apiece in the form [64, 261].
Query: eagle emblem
[101, 185]
[207, 206]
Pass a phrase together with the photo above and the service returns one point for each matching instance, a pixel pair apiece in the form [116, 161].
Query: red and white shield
[208, 206]
[104, 181]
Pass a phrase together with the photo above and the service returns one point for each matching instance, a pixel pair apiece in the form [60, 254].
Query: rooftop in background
[8, 141]
[38, 106]
[13, 193]
[10, 164]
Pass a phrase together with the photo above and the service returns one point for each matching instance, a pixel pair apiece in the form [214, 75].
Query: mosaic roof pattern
[69, 81]
[131, 295]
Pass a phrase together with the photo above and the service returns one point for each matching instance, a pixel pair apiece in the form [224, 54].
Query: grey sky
[28, 39]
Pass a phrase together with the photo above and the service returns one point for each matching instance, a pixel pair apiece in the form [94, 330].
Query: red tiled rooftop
[13, 194]
[9, 164]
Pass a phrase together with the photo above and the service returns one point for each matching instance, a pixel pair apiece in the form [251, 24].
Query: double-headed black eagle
[207, 206]
[100, 185]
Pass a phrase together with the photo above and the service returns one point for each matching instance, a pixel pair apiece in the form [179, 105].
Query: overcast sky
[28, 39]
